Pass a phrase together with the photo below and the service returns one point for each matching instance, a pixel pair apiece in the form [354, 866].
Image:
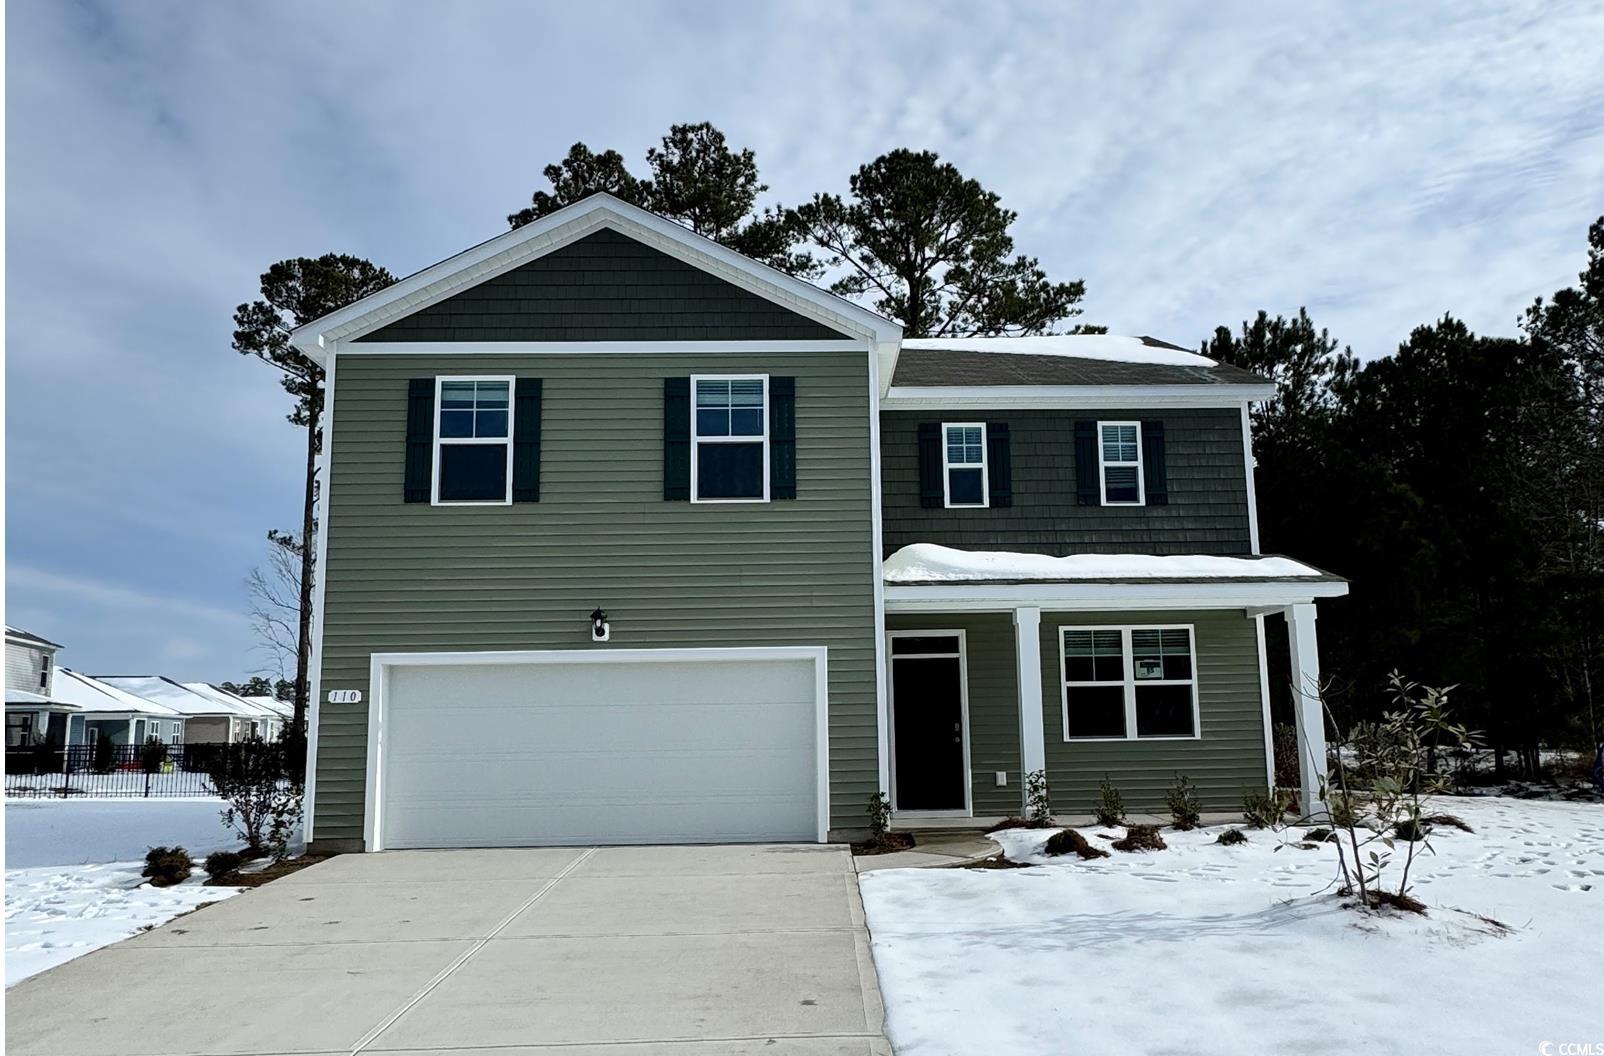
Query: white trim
[1103, 464]
[1000, 597]
[611, 348]
[314, 675]
[1248, 462]
[381, 663]
[1032, 720]
[1303, 646]
[947, 468]
[1061, 397]
[876, 569]
[962, 655]
[568, 224]
[696, 439]
[1130, 682]
[471, 441]
[1264, 697]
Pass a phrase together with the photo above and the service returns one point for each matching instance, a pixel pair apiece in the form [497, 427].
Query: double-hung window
[963, 467]
[1119, 446]
[1125, 683]
[730, 438]
[473, 440]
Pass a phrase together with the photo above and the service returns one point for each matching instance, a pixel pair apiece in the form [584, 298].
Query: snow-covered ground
[1237, 950]
[72, 873]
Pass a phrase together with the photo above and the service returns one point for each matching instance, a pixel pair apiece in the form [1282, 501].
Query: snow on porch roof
[922, 563]
[1108, 347]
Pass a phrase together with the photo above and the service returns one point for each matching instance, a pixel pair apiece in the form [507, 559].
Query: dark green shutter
[932, 496]
[1086, 482]
[999, 466]
[1155, 478]
[526, 440]
[420, 438]
[782, 438]
[677, 439]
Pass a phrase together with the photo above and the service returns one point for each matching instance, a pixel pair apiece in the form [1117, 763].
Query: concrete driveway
[584, 952]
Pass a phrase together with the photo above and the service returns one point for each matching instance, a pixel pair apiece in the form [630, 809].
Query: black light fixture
[599, 630]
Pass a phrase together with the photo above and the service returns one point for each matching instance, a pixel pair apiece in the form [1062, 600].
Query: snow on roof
[29, 637]
[930, 563]
[171, 694]
[223, 696]
[88, 694]
[28, 697]
[1075, 346]
[278, 707]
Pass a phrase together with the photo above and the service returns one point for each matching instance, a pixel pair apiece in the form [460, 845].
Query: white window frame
[947, 467]
[434, 455]
[1103, 464]
[1127, 658]
[697, 439]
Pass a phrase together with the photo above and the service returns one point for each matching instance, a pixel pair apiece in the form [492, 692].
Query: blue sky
[1379, 163]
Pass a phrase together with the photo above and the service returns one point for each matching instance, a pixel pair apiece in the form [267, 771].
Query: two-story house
[30, 664]
[629, 538]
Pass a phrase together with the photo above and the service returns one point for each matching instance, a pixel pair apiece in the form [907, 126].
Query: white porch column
[1027, 652]
[1308, 713]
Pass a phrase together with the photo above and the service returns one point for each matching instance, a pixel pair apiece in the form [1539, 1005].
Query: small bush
[879, 812]
[220, 863]
[1109, 810]
[103, 759]
[1262, 809]
[1186, 806]
[166, 866]
[1038, 802]
[1232, 837]
[1071, 842]
[1287, 772]
[262, 791]
[152, 754]
[1343, 810]
[1451, 820]
[1319, 835]
[1410, 829]
[1141, 838]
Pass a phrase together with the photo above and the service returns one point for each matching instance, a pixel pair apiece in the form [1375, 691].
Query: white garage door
[593, 750]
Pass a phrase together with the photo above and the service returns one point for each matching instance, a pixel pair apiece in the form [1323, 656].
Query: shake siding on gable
[1207, 511]
[414, 577]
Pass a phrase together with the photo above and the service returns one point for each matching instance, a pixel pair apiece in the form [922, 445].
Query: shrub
[1285, 743]
[1232, 837]
[104, 757]
[1141, 838]
[220, 863]
[1037, 800]
[1071, 842]
[1109, 810]
[166, 866]
[1451, 820]
[264, 796]
[1410, 829]
[1263, 809]
[879, 812]
[1186, 807]
[152, 754]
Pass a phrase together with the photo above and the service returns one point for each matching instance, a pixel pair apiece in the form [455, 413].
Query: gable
[605, 286]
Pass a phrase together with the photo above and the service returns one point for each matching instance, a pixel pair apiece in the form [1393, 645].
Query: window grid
[963, 451]
[1119, 464]
[472, 410]
[1179, 641]
[729, 409]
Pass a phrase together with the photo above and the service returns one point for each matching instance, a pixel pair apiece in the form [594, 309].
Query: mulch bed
[267, 874]
[895, 841]
[1000, 861]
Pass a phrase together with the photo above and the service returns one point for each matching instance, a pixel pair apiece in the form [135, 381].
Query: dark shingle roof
[936, 366]
[29, 636]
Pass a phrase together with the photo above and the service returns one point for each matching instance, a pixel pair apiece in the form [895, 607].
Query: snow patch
[1106, 347]
[930, 563]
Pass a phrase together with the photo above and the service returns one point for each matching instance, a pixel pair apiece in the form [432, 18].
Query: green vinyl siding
[1208, 503]
[1229, 756]
[414, 577]
[993, 697]
[604, 287]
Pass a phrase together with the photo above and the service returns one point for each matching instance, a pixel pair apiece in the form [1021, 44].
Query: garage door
[630, 748]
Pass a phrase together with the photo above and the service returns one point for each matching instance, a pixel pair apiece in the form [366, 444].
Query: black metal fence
[106, 769]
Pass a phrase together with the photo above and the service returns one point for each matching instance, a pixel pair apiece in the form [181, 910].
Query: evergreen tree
[581, 174]
[931, 249]
[295, 292]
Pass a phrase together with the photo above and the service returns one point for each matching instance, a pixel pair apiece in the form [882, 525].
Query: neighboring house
[265, 722]
[96, 711]
[208, 718]
[284, 711]
[29, 662]
[629, 538]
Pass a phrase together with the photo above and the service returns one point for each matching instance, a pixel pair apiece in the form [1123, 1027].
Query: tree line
[1457, 483]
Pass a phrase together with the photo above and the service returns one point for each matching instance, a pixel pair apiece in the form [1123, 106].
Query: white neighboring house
[29, 663]
[268, 723]
[284, 710]
[97, 711]
[216, 718]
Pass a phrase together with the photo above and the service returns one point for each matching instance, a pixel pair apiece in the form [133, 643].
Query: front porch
[1139, 680]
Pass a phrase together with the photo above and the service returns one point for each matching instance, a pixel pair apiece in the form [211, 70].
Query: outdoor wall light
[599, 630]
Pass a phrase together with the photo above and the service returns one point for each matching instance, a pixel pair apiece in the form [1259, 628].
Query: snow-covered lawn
[72, 873]
[1236, 950]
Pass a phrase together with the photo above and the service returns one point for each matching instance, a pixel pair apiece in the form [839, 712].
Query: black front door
[927, 701]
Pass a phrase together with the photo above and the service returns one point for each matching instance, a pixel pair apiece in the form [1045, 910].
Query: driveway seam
[389, 1021]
